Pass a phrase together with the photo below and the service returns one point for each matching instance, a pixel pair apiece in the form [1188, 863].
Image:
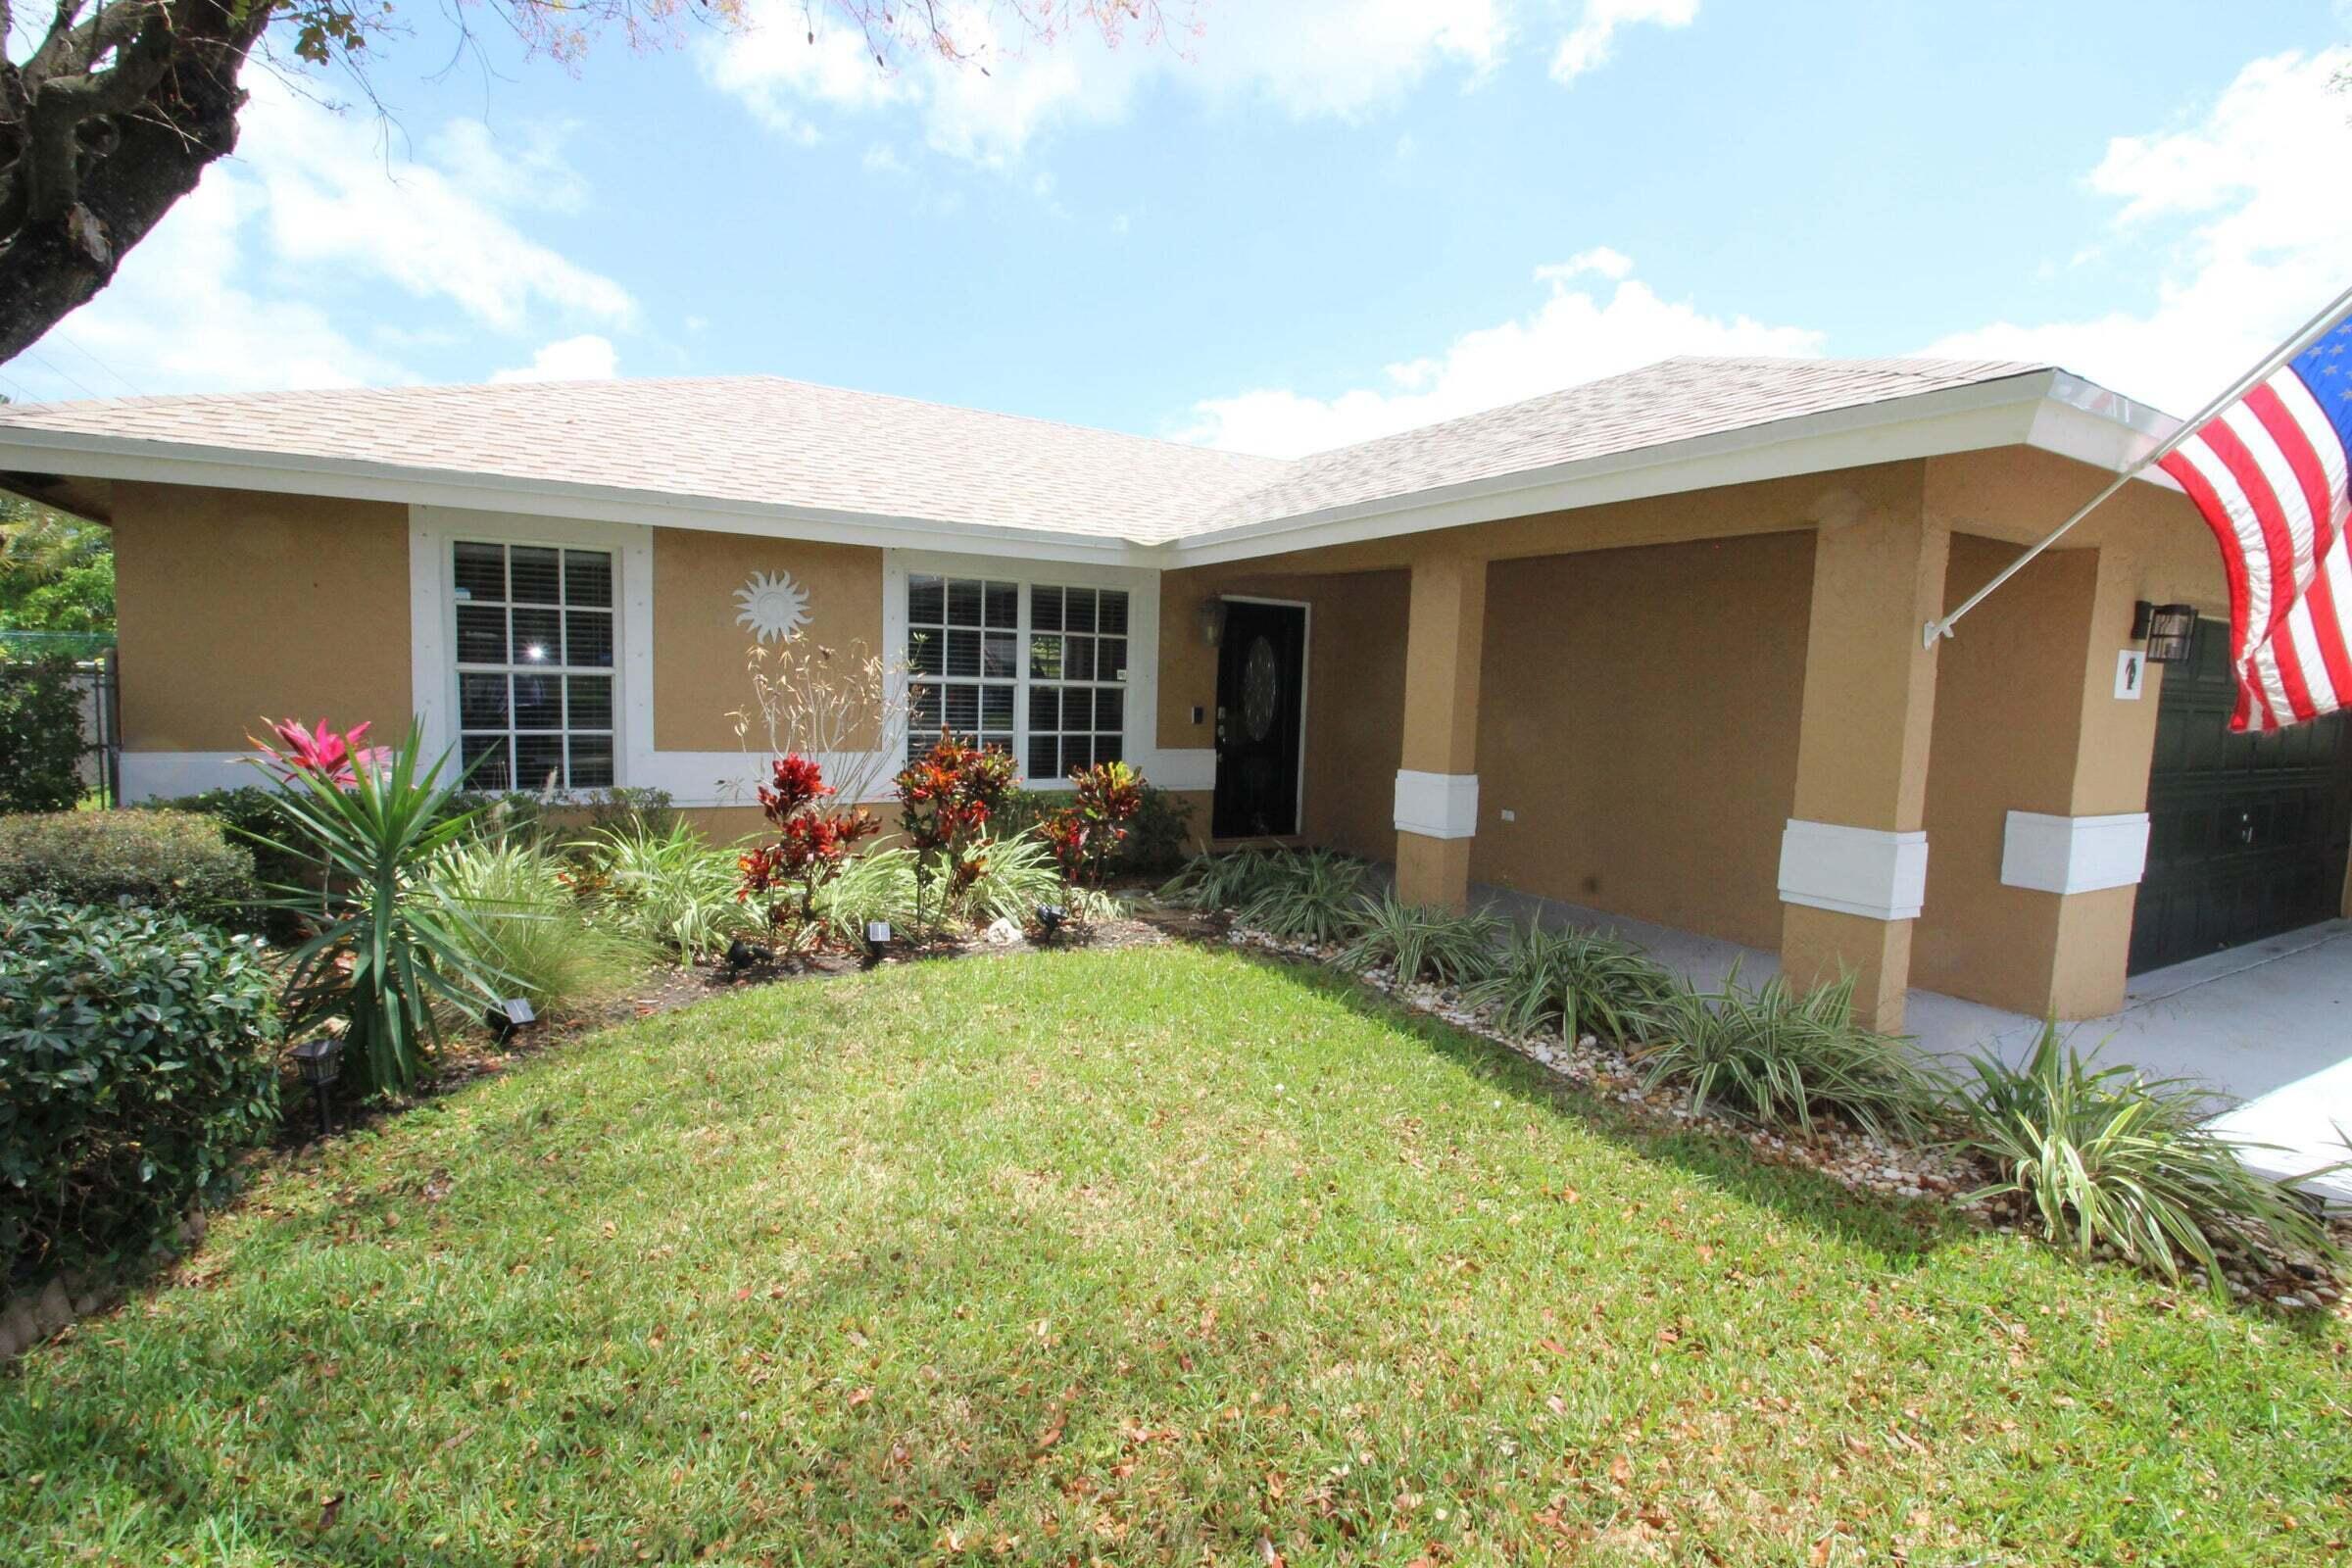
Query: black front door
[2246, 833]
[1261, 672]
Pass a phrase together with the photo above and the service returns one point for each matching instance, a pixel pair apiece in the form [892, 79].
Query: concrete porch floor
[2267, 1027]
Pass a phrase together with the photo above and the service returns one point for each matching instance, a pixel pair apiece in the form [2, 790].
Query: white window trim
[434, 622]
[1142, 586]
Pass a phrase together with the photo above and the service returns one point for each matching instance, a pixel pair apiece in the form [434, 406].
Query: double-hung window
[534, 645]
[1035, 670]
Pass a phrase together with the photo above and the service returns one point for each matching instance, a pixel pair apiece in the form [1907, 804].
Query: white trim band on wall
[2074, 854]
[1437, 805]
[1853, 870]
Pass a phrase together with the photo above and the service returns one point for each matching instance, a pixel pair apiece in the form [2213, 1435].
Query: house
[1650, 646]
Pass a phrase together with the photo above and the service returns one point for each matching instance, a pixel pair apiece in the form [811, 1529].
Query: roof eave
[123, 459]
[2048, 409]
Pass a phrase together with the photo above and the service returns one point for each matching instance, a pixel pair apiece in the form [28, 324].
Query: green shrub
[1573, 983]
[1016, 874]
[1422, 942]
[672, 888]
[41, 744]
[1159, 835]
[876, 885]
[524, 922]
[250, 817]
[1781, 1058]
[137, 1061]
[1223, 881]
[1315, 896]
[164, 860]
[2106, 1156]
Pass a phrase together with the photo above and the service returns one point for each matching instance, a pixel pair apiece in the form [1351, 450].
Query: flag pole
[1936, 630]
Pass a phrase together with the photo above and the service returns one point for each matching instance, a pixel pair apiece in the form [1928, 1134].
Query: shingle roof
[770, 441]
[756, 438]
[1673, 400]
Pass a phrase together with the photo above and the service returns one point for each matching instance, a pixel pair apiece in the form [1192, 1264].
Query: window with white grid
[1037, 669]
[1077, 678]
[963, 659]
[534, 645]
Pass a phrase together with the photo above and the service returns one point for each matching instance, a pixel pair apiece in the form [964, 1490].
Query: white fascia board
[229, 468]
[1437, 805]
[1854, 870]
[2074, 854]
[1989, 414]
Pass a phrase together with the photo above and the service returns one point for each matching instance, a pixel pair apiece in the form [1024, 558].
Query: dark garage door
[2246, 833]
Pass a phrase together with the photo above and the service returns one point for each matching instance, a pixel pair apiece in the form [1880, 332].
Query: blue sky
[1311, 223]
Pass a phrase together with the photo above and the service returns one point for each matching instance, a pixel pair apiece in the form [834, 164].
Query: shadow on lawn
[1902, 1231]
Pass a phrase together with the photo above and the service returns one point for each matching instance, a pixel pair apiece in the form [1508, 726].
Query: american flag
[2269, 473]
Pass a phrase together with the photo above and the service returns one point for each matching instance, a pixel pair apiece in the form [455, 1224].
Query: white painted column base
[1853, 870]
[1437, 805]
[2074, 854]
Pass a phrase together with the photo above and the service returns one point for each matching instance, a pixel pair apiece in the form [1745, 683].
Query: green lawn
[1159, 1256]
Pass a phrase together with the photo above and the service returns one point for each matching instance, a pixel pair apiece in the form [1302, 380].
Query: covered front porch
[1713, 712]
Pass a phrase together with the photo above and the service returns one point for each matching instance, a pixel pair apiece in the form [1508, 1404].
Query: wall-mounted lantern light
[2168, 630]
[321, 1064]
[1212, 621]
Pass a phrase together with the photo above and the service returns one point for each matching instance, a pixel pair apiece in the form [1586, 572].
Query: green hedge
[164, 859]
[42, 745]
[138, 1058]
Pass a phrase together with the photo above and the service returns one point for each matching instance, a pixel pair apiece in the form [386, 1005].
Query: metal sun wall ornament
[773, 606]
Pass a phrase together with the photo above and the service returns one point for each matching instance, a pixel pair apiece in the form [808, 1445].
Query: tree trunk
[131, 172]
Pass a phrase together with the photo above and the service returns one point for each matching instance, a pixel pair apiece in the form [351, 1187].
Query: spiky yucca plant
[2105, 1156]
[1422, 942]
[1574, 983]
[1307, 896]
[1781, 1056]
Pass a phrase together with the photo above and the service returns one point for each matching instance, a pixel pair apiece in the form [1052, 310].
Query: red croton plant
[946, 798]
[815, 835]
[1086, 833]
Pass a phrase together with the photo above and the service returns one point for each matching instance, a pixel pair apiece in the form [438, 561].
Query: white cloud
[587, 358]
[334, 199]
[2239, 213]
[1306, 56]
[1574, 336]
[1593, 39]
[234, 289]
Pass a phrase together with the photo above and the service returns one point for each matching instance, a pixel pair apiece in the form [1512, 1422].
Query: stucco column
[1853, 857]
[1436, 779]
[2038, 798]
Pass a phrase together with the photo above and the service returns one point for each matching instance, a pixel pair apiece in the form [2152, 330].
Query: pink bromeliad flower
[321, 751]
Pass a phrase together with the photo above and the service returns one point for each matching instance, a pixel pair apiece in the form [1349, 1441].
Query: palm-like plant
[1781, 1056]
[1575, 983]
[2104, 1156]
[381, 953]
[1422, 942]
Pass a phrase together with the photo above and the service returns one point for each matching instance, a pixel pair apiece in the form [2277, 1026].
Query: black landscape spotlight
[321, 1064]
[742, 954]
[1049, 919]
[505, 1017]
[877, 937]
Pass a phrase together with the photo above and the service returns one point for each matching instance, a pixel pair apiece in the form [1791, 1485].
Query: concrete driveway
[2266, 1028]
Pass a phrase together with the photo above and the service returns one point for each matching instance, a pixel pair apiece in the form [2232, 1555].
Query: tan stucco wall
[234, 604]
[1640, 717]
[1354, 692]
[701, 656]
